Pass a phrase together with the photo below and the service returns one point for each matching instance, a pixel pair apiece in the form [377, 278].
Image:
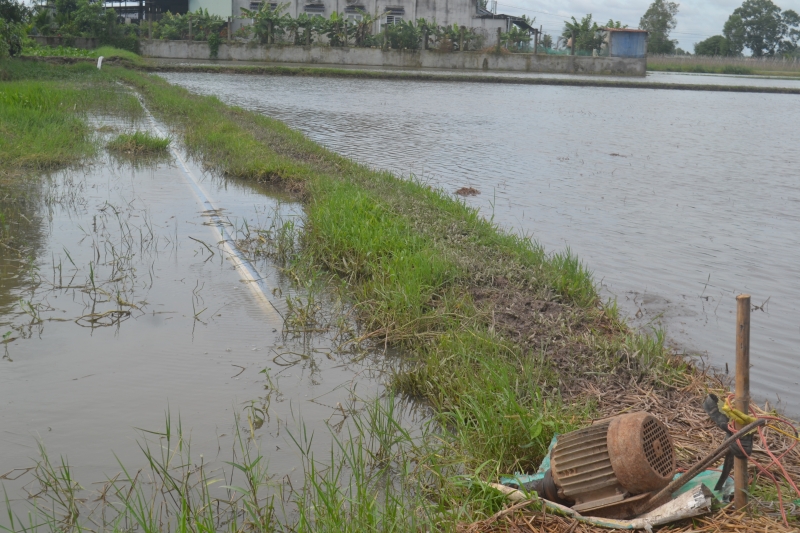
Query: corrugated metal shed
[624, 42]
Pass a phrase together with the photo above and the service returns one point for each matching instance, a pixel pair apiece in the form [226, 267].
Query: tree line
[759, 25]
[63, 18]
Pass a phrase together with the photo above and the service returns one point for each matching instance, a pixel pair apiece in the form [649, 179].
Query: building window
[255, 6]
[353, 14]
[314, 8]
[394, 15]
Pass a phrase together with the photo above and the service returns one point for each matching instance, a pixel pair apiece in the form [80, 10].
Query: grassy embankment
[724, 65]
[507, 343]
[42, 114]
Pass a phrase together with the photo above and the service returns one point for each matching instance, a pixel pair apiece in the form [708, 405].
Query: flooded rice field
[677, 200]
[118, 309]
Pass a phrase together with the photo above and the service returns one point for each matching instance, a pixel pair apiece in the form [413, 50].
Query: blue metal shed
[624, 42]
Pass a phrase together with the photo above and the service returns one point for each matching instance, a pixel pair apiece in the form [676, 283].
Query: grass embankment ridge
[431, 275]
[75, 55]
[740, 66]
[324, 72]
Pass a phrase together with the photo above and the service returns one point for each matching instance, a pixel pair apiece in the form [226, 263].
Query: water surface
[117, 314]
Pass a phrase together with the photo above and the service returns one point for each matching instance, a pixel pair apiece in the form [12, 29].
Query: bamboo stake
[740, 478]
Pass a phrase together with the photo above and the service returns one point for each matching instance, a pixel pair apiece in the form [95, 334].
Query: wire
[733, 414]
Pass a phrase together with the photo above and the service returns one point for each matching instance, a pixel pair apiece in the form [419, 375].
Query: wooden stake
[740, 478]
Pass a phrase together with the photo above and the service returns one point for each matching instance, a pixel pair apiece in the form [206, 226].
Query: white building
[466, 13]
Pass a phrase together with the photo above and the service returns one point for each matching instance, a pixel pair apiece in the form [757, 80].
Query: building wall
[324, 55]
[223, 8]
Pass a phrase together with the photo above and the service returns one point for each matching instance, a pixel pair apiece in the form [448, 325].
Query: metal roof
[626, 30]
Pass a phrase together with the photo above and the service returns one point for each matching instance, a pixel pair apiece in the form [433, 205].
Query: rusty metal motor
[608, 468]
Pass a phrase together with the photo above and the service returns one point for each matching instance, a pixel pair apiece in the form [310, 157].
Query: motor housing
[604, 469]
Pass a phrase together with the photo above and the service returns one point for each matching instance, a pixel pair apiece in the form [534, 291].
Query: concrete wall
[75, 42]
[399, 58]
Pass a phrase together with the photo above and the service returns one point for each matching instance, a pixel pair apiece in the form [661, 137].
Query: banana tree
[586, 33]
[267, 22]
[362, 29]
[403, 34]
[516, 39]
[337, 30]
[429, 31]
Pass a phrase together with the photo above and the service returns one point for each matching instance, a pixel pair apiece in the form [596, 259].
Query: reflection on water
[677, 200]
[120, 306]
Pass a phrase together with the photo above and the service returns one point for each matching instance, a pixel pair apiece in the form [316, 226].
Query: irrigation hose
[243, 266]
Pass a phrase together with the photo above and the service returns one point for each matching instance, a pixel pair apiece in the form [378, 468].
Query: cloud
[697, 19]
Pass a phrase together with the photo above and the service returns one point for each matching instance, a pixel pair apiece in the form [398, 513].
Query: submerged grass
[138, 143]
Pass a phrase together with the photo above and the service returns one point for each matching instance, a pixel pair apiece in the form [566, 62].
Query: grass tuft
[139, 143]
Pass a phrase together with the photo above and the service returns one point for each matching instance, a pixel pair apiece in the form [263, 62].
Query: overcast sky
[697, 19]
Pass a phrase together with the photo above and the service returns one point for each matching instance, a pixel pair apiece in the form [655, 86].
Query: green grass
[43, 113]
[109, 52]
[699, 69]
[139, 143]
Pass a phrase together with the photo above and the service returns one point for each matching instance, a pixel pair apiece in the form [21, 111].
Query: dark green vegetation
[42, 123]
[83, 18]
[138, 143]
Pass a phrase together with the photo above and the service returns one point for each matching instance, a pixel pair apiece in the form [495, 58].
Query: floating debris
[468, 191]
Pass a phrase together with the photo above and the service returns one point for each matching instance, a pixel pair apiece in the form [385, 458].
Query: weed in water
[139, 143]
